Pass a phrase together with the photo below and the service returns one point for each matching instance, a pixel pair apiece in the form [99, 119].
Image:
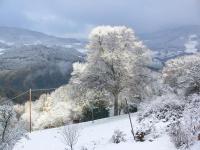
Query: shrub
[131, 108]
[84, 148]
[97, 110]
[164, 108]
[142, 130]
[180, 137]
[118, 137]
[139, 136]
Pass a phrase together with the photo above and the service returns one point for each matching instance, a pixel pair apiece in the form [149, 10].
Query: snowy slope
[96, 136]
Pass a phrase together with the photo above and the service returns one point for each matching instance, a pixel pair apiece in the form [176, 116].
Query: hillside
[13, 36]
[96, 136]
[30, 59]
[35, 66]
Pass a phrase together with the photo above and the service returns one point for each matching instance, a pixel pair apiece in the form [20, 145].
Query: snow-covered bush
[158, 115]
[164, 108]
[182, 74]
[84, 148]
[142, 130]
[192, 113]
[118, 136]
[185, 131]
[50, 110]
[179, 135]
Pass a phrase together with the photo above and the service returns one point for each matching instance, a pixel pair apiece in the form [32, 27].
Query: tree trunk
[116, 105]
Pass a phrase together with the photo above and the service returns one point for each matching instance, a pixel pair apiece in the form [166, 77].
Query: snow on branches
[11, 129]
[116, 63]
[183, 74]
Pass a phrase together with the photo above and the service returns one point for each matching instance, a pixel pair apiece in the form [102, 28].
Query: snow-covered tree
[50, 110]
[70, 135]
[11, 129]
[89, 104]
[116, 63]
[183, 74]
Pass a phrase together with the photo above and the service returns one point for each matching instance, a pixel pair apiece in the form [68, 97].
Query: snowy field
[94, 136]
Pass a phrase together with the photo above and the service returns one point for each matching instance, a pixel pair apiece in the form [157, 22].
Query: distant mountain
[12, 35]
[170, 43]
[30, 59]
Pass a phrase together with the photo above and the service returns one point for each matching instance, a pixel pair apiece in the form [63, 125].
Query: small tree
[118, 137]
[70, 136]
[11, 130]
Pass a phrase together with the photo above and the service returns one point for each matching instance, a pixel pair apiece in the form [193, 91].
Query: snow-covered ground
[94, 136]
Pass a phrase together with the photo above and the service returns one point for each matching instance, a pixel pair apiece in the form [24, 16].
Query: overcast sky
[75, 18]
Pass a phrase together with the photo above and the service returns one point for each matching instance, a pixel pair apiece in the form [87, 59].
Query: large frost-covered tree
[116, 62]
[183, 74]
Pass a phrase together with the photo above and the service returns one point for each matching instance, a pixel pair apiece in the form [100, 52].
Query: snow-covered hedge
[157, 115]
[164, 108]
[179, 116]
